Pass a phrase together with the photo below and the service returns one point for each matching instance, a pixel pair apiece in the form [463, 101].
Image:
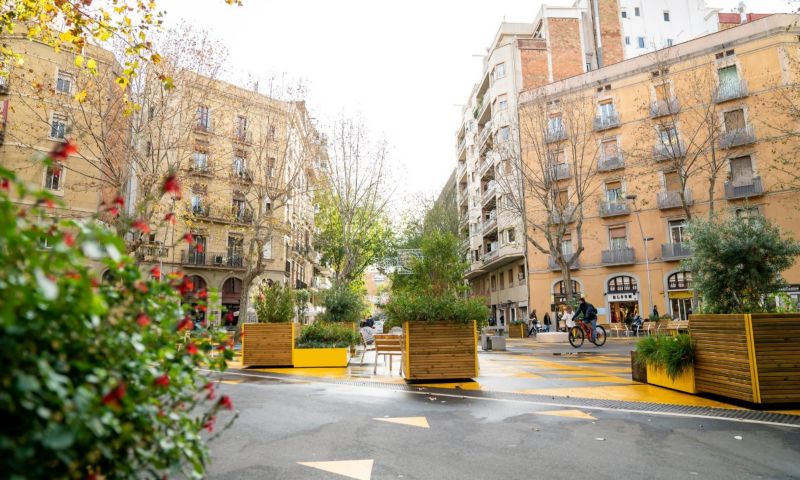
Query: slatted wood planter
[516, 331]
[750, 357]
[268, 344]
[440, 351]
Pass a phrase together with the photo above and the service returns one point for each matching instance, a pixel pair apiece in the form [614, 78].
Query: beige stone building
[667, 135]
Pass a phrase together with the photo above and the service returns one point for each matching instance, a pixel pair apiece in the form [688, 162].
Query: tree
[737, 262]
[354, 228]
[439, 271]
[549, 182]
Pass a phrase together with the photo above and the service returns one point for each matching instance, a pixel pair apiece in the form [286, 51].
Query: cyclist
[588, 314]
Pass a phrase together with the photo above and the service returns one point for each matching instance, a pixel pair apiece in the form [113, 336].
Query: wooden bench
[388, 345]
[676, 326]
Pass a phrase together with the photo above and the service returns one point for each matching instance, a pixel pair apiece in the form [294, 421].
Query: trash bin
[497, 342]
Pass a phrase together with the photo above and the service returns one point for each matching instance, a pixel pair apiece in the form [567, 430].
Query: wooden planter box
[268, 344]
[638, 373]
[684, 383]
[440, 351]
[321, 357]
[749, 357]
[516, 331]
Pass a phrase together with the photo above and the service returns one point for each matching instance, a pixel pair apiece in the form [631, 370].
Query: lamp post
[632, 198]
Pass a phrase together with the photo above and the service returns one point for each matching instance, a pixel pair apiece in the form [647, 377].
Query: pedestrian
[370, 322]
[492, 321]
[655, 314]
[567, 317]
[533, 320]
[547, 322]
[587, 314]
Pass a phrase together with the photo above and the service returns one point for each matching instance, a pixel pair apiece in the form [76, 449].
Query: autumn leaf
[80, 96]
[79, 60]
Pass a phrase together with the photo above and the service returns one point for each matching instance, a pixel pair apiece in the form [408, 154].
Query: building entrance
[622, 296]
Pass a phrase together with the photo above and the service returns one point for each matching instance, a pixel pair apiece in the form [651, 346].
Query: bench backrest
[388, 343]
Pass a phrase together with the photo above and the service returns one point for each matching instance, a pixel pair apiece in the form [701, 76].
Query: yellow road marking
[358, 469]
[420, 422]
[231, 382]
[600, 379]
[631, 393]
[567, 413]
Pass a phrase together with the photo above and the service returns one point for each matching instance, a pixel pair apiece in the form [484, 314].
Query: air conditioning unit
[219, 260]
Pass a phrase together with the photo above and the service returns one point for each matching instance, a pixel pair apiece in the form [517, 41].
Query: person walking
[567, 317]
[588, 314]
[532, 323]
[655, 314]
[547, 322]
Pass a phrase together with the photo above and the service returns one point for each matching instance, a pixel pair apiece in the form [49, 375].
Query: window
[52, 180]
[668, 135]
[235, 251]
[747, 212]
[566, 246]
[641, 42]
[271, 133]
[614, 192]
[238, 165]
[241, 127]
[505, 134]
[203, 118]
[494, 283]
[669, 42]
[636, 11]
[677, 231]
[511, 235]
[239, 208]
[662, 92]
[609, 148]
[502, 102]
[64, 82]
[562, 199]
[502, 280]
[624, 14]
[741, 171]
[555, 126]
[666, 16]
[197, 203]
[607, 111]
[271, 167]
[728, 81]
[510, 277]
[734, 120]
[672, 181]
[522, 272]
[622, 283]
[618, 238]
[627, 40]
[680, 281]
[200, 161]
[58, 126]
[500, 71]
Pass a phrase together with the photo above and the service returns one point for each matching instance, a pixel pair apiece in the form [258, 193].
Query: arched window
[232, 286]
[561, 288]
[622, 283]
[198, 284]
[680, 281]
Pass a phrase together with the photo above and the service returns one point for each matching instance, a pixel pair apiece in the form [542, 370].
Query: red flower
[155, 271]
[119, 201]
[188, 238]
[225, 401]
[211, 394]
[186, 286]
[209, 425]
[185, 324]
[172, 186]
[143, 320]
[69, 239]
[63, 151]
[142, 287]
[95, 283]
[170, 217]
[191, 349]
[202, 293]
[114, 211]
[73, 275]
[202, 308]
[47, 203]
[162, 381]
[113, 397]
[5, 184]
[199, 248]
[140, 225]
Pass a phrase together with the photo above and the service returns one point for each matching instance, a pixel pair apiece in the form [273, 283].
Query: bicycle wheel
[600, 336]
[575, 337]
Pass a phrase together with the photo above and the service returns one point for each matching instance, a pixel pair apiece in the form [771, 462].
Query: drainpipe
[599, 38]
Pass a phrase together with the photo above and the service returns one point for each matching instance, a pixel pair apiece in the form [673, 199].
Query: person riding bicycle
[588, 314]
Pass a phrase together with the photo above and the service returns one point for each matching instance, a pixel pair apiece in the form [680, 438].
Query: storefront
[559, 304]
[680, 295]
[622, 298]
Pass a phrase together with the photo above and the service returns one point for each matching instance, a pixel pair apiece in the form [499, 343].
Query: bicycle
[581, 330]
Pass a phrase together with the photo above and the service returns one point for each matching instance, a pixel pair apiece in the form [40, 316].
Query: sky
[405, 67]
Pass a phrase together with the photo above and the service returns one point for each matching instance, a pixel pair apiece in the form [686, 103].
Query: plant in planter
[325, 344]
[271, 340]
[669, 360]
[342, 304]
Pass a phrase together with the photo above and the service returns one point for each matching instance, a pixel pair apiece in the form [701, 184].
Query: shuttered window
[734, 120]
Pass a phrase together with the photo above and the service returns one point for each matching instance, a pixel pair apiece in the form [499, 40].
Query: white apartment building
[648, 25]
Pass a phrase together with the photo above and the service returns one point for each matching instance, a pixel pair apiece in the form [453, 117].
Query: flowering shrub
[99, 378]
[274, 304]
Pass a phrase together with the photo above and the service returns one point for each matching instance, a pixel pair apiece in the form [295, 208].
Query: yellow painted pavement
[567, 413]
[358, 469]
[420, 422]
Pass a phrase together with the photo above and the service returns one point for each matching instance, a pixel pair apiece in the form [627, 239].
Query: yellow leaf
[80, 96]
[122, 82]
[92, 66]
[155, 58]
[78, 60]
[66, 37]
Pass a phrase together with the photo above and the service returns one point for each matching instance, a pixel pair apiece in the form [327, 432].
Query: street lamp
[632, 198]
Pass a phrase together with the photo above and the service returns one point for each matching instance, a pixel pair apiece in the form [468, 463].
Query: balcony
[555, 135]
[610, 162]
[489, 256]
[483, 104]
[243, 137]
[675, 251]
[461, 145]
[672, 199]
[752, 189]
[485, 165]
[489, 225]
[731, 91]
[552, 265]
[738, 137]
[486, 133]
[561, 171]
[606, 122]
[615, 208]
[151, 252]
[662, 108]
[221, 214]
[201, 170]
[488, 193]
[670, 151]
[242, 175]
[212, 259]
[567, 215]
[464, 245]
[204, 127]
[461, 169]
[618, 256]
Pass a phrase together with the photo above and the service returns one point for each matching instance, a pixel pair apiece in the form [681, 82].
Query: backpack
[591, 312]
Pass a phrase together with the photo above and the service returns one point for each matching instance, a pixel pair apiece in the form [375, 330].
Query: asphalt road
[286, 422]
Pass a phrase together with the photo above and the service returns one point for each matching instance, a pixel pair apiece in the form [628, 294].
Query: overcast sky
[404, 67]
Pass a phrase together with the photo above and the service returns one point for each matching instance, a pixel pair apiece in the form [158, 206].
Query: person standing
[588, 314]
[655, 314]
[567, 317]
[533, 320]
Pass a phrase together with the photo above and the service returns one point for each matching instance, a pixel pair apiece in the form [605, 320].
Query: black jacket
[586, 311]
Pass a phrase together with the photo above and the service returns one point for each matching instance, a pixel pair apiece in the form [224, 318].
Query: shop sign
[623, 297]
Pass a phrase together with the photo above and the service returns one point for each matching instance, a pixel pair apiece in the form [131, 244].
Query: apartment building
[658, 127]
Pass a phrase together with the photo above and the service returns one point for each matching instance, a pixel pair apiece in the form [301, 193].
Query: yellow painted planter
[684, 383]
[321, 357]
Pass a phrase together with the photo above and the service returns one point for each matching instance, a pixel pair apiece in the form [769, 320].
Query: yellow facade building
[626, 154]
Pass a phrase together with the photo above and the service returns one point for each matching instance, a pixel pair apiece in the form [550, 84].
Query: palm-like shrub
[673, 354]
